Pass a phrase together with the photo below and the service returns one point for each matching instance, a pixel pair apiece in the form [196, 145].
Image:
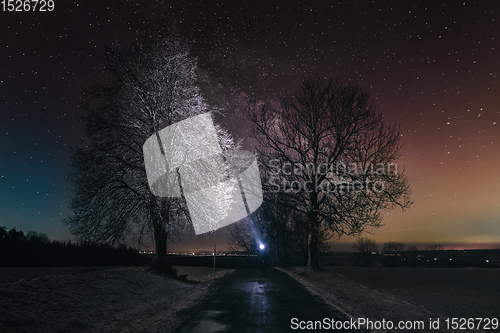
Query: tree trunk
[160, 261]
[312, 241]
[312, 247]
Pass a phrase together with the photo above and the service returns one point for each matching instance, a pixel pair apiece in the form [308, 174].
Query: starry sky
[432, 66]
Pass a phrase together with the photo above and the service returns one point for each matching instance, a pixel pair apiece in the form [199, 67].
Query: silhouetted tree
[435, 247]
[151, 86]
[36, 249]
[3, 233]
[37, 237]
[16, 235]
[273, 224]
[322, 143]
[394, 249]
[365, 246]
[243, 236]
[282, 229]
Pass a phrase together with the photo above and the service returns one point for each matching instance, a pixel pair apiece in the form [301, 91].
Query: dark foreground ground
[471, 295]
[452, 292]
[130, 299]
[249, 301]
[84, 299]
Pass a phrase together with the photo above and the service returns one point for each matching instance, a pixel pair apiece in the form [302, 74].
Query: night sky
[432, 66]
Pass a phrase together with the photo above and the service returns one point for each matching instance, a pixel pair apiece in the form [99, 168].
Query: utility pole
[215, 251]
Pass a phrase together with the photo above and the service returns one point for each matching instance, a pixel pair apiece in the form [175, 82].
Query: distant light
[261, 246]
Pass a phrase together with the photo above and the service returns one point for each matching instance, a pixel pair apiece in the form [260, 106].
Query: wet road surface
[247, 301]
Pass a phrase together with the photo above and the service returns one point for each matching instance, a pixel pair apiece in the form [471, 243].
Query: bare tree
[274, 225]
[394, 250]
[282, 229]
[243, 236]
[365, 246]
[332, 157]
[435, 247]
[150, 86]
[393, 247]
[289, 232]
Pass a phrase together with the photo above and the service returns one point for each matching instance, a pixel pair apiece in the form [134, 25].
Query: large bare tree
[332, 158]
[151, 85]
[365, 246]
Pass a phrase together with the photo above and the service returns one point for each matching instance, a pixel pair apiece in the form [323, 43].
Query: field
[98, 299]
[130, 299]
[407, 293]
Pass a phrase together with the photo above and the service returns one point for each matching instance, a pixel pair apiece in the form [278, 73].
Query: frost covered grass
[126, 299]
[201, 274]
[406, 293]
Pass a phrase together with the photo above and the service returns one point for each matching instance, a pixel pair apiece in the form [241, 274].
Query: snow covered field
[98, 299]
[130, 299]
[406, 293]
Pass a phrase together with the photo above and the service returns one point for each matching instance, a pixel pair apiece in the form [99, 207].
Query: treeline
[36, 249]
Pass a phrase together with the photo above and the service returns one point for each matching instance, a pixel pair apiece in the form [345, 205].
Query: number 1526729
[27, 5]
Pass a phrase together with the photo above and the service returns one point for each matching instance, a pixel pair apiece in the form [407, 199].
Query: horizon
[206, 244]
